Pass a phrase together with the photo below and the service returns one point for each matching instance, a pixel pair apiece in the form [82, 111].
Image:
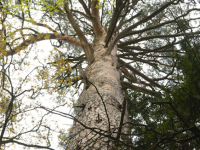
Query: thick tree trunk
[103, 88]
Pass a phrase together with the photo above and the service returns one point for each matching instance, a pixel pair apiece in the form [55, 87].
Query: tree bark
[101, 104]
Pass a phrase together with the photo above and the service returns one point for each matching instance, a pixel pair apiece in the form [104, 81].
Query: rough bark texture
[105, 81]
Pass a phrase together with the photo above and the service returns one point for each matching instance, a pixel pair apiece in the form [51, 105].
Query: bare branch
[85, 8]
[119, 7]
[120, 35]
[27, 145]
[139, 73]
[150, 37]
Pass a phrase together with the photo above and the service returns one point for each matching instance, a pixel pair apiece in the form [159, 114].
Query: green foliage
[189, 91]
[183, 25]
[169, 119]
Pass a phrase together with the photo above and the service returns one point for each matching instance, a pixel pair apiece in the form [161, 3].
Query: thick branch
[145, 19]
[126, 21]
[84, 43]
[136, 88]
[161, 24]
[139, 73]
[85, 8]
[120, 35]
[148, 29]
[119, 7]
[148, 38]
[98, 28]
[128, 74]
[45, 36]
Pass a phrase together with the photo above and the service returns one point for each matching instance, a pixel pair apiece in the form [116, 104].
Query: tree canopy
[157, 50]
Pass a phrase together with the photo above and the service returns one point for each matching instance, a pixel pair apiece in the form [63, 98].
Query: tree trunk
[102, 100]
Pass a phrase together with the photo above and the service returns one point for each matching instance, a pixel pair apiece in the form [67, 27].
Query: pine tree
[127, 54]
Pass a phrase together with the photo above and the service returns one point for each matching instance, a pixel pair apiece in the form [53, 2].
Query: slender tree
[114, 47]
